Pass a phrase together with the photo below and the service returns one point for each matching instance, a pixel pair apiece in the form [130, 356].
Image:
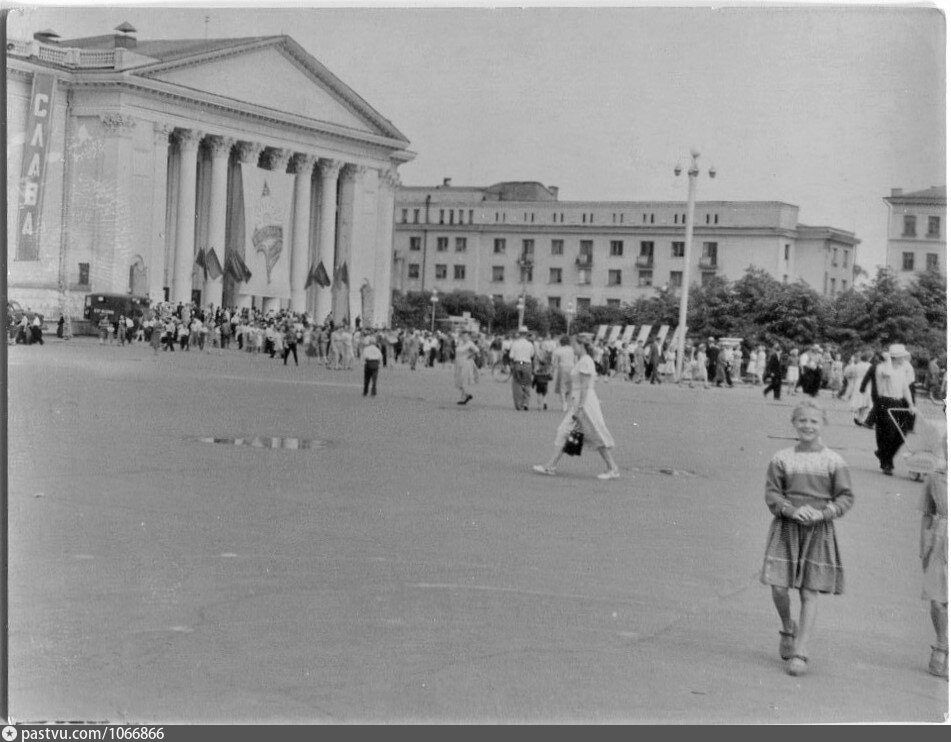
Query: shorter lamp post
[569, 312]
[521, 310]
[435, 300]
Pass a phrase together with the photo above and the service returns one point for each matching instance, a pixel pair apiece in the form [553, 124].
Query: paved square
[411, 567]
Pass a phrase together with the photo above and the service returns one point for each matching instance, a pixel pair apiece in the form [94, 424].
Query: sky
[827, 108]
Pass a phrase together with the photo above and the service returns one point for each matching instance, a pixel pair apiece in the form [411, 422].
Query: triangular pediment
[271, 78]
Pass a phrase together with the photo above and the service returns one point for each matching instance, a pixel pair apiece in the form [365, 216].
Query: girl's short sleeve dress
[801, 555]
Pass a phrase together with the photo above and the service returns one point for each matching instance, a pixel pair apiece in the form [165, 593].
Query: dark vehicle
[110, 306]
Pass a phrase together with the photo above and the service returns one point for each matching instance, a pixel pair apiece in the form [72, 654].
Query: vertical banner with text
[33, 170]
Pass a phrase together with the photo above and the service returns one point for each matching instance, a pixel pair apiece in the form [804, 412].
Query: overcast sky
[826, 108]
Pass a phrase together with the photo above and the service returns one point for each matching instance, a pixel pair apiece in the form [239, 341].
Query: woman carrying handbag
[583, 415]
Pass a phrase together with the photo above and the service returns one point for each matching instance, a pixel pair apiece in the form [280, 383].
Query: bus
[110, 306]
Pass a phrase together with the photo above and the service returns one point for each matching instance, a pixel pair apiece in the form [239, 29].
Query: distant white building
[512, 237]
[917, 232]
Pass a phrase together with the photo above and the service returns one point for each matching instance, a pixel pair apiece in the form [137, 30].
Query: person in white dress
[585, 409]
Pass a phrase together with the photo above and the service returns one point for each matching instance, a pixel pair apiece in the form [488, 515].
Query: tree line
[755, 307]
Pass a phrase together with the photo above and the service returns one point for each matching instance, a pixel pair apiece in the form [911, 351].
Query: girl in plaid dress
[807, 488]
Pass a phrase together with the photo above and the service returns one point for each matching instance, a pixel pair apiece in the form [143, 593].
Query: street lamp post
[521, 309]
[435, 300]
[569, 311]
[692, 173]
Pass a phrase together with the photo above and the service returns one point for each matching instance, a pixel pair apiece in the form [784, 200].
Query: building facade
[224, 171]
[917, 232]
[518, 237]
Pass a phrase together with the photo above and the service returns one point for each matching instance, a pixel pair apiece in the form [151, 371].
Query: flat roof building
[512, 237]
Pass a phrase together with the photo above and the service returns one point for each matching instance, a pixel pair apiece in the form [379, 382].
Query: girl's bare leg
[807, 619]
[781, 601]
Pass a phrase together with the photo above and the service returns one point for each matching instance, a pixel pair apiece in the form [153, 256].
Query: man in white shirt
[520, 355]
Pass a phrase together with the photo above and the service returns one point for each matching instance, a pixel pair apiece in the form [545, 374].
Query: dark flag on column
[236, 268]
[320, 276]
[200, 259]
[213, 265]
[342, 278]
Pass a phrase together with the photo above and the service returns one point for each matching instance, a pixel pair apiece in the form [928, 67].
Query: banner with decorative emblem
[33, 170]
[268, 195]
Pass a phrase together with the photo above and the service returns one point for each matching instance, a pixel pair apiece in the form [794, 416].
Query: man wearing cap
[520, 355]
[895, 406]
[372, 356]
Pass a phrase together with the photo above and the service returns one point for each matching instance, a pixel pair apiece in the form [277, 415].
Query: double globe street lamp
[692, 174]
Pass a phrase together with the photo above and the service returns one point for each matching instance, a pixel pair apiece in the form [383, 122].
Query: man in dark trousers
[774, 373]
[654, 359]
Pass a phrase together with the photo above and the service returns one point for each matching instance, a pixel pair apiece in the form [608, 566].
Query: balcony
[584, 261]
[526, 261]
[708, 262]
[645, 261]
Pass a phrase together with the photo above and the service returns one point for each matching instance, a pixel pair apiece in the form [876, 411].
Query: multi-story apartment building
[917, 232]
[517, 237]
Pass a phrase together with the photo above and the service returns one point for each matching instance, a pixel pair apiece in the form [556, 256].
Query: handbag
[575, 440]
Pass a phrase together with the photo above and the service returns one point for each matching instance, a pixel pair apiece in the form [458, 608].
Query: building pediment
[277, 75]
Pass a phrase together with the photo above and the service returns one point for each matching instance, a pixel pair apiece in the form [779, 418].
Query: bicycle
[502, 370]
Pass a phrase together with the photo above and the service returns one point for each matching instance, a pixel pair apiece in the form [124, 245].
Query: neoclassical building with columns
[230, 172]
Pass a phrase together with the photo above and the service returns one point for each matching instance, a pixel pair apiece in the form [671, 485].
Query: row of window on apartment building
[585, 248]
[449, 216]
[911, 226]
[908, 261]
[526, 274]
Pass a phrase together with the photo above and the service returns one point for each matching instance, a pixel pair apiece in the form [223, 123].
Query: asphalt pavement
[395, 559]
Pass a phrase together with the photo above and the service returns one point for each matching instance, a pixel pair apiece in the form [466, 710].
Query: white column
[346, 226]
[248, 154]
[303, 166]
[360, 241]
[383, 290]
[188, 140]
[275, 159]
[156, 264]
[220, 152]
[329, 170]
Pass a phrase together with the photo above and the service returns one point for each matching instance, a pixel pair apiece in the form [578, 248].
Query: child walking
[934, 561]
[807, 487]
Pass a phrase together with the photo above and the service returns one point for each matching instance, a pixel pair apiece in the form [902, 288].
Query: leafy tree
[895, 315]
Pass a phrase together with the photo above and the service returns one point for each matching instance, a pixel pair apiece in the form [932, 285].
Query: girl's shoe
[539, 469]
[938, 666]
[613, 474]
[787, 642]
[797, 665]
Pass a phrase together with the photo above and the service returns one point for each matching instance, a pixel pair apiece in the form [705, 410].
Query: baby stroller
[922, 447]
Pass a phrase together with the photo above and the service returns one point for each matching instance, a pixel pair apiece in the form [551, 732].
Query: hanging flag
[212, 265]
[342, 274]
[235, 267]
[310, 278]
[232, 269]
[321, 278]
[200, 259]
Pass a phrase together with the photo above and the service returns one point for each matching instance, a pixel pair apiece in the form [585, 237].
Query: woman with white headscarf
[894, 378]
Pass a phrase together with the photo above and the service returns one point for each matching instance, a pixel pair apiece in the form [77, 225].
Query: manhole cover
[261, 441]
